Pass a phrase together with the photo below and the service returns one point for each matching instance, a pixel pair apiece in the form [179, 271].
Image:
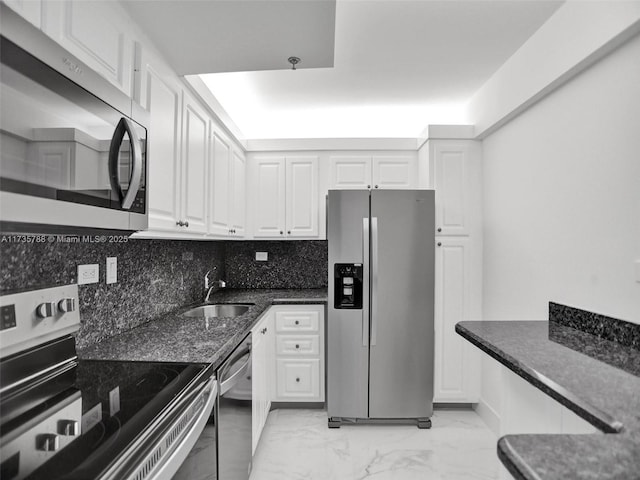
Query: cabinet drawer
[297, 345]
[298, 379]
[297, 321]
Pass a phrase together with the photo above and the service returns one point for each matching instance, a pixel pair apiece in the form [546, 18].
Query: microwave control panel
[348, 286]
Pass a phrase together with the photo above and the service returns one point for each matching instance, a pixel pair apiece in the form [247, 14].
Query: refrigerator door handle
[365, 274]
[374, 279]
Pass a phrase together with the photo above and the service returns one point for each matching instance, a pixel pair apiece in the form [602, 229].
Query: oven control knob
[47, 309]
[48, 442]
[69, 428]
[67, 305]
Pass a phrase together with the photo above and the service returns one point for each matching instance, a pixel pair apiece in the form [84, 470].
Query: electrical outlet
[112, 269]
[262, 256]
[88, 273]
[637, 271]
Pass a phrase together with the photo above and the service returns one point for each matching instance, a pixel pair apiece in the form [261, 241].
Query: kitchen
[537, 196]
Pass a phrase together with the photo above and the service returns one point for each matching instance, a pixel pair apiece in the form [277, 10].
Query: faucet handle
[206, 279]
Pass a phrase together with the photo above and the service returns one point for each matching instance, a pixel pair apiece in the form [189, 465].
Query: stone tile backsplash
[290, 264]
[154, 276]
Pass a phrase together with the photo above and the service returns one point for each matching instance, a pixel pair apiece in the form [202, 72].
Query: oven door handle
[229, 383]
[125, 126]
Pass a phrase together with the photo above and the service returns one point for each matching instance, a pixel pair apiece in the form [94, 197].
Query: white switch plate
[88, 274]
[112, 269]
[638, 271]
[262, 256]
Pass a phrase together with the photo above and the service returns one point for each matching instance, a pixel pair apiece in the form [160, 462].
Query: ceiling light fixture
[293, 61]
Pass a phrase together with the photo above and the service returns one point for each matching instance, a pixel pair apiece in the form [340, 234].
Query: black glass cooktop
[118, 402]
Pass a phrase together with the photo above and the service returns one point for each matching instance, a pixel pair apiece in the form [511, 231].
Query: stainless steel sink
[218, 310]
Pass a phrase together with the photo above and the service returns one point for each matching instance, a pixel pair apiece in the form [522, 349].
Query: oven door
[198, 460]
[67, 157]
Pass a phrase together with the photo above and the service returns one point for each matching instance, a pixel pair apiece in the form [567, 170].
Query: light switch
[112, 269]
[88, 274]
[262, 256]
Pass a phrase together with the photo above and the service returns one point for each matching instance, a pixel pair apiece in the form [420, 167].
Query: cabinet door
[194, 169]
[219, 208]
[452, 187]
[349, 172]
[456, 364]
[302, 196]
[298, 379]
[395, 171]
[238, 184]
[96, 34]
[262, 366]
[269, 197]
[30, 10]
[162, 99]
[258, 356]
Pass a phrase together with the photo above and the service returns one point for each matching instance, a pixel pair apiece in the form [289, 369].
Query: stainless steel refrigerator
[380, 316]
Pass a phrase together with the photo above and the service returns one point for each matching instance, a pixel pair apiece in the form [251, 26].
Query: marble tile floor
[298, 445]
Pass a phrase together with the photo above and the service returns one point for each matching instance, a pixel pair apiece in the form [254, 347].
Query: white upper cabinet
[349, 172]
[226, 211]
[285, 196]
[238, 194]
[219, 215]
[96, 34]
[162, 97]
[30, 10]
[195, 139]
[395, 171]
[364, 171]
[302, 196]
[454, 168]
[268, 188]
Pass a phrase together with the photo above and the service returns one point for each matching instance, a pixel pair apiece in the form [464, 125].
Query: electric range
[62, 417]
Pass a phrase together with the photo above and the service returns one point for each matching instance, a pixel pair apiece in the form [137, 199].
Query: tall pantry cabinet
[453, 169]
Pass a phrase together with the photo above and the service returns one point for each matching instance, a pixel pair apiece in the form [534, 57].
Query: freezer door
[348, 328]
[402, 294]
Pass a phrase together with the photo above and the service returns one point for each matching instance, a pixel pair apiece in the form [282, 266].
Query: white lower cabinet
[261, 374]
[287, 359]
[299, 353]
[457, 372]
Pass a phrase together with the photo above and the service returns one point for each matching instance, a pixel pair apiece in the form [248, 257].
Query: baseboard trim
[310, 405]
[489, 416]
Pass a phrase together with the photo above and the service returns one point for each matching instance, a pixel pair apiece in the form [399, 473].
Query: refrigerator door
[348, 328]
[402, 295]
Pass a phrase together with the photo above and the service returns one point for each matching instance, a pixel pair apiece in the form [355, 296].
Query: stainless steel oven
[72, 146]
[67, 418]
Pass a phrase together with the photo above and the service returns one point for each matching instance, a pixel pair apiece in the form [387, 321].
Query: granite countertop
[174, 338]
[596, 378]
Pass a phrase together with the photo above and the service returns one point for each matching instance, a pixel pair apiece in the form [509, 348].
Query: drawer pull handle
[297, 322]
[297, 346]
[298, 379]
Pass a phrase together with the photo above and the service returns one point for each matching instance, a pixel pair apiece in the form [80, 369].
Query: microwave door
[125, 163]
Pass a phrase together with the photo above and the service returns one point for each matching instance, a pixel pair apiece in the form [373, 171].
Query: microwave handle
[125, 126]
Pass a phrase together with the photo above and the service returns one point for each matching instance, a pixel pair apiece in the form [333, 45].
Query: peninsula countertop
[175, 338]
[569, 365]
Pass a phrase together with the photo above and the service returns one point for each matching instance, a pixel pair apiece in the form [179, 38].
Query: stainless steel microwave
[72, 146]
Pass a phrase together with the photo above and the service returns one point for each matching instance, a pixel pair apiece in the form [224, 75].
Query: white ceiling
[206, 36]
[399, 65]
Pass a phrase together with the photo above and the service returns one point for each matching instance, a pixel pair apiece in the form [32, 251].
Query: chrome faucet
[209, 287]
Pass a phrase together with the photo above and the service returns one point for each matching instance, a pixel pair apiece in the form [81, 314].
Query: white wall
[562, 198]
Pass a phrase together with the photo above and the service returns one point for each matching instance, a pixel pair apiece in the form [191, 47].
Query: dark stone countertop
[569, 365]
[174, 338]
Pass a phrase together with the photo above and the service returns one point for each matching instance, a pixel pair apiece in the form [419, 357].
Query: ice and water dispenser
[348, 285]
